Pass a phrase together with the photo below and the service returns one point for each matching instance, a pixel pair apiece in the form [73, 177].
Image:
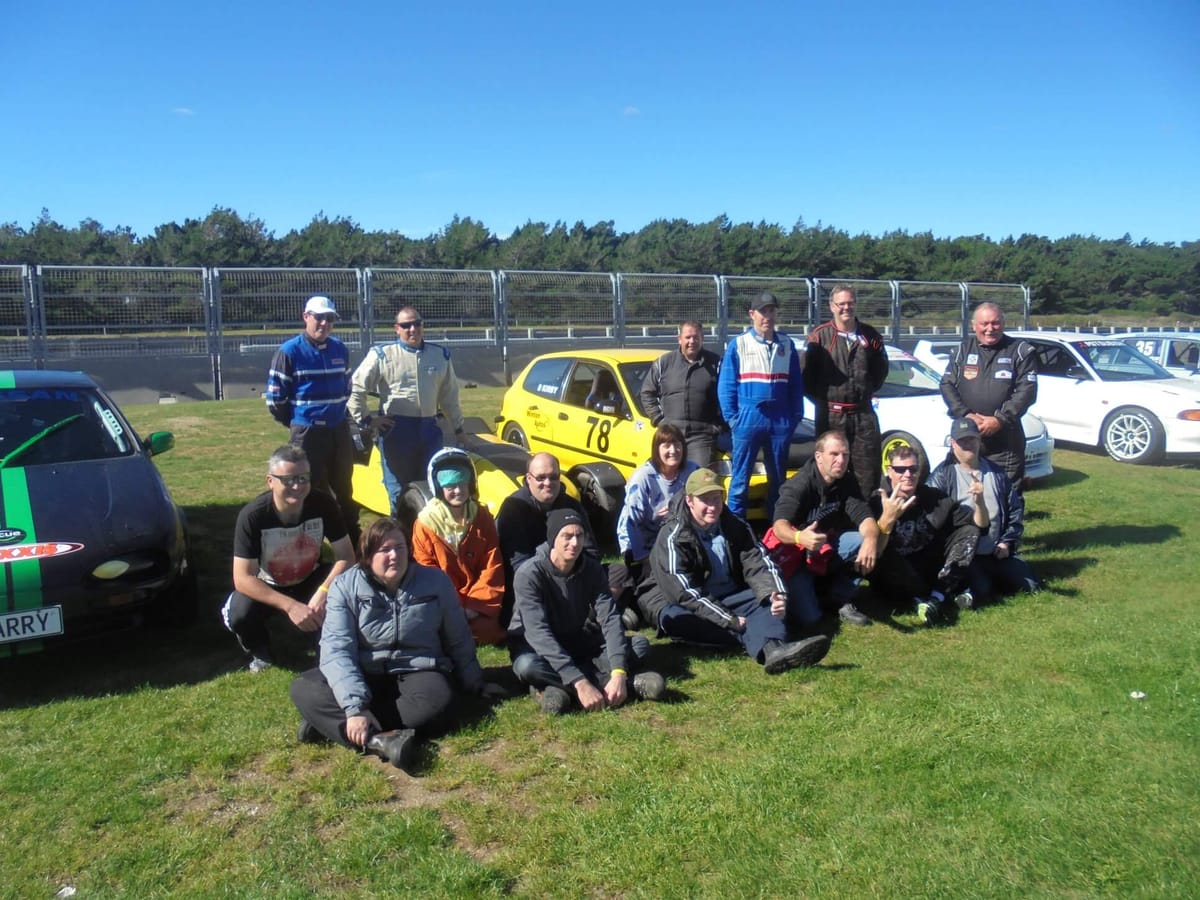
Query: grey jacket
[562, 616]
[368, 631]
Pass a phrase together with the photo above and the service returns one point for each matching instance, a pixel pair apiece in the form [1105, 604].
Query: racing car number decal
[42, 550]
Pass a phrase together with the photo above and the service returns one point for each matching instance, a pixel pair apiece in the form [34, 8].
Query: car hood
[60, 521]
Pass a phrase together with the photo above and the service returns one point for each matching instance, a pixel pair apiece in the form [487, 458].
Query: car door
[1070, 396]
[595, 421]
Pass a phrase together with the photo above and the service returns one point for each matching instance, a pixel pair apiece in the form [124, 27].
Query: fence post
[500, 305]
[35, 315]
[213, 326]
[618, 309]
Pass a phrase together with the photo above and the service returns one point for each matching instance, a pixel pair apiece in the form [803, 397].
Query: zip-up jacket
[843, 372]
[682, 567]
[309, 384]
[755, 373]
[416, 383]
[563, 615]
[419, 628]
[682, 392]
[1008, 525]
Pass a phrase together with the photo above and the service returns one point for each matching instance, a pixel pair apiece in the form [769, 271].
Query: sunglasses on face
[323, 318]
[292, 480]
[904, 470]
[408, 326]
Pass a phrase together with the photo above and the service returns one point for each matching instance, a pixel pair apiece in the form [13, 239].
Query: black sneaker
[964, 600]
[928, 612]
[630, 619]
[307, 734]
[852, 615]
[779, 656]
[649, 686]
[397, 747]
[554, 701]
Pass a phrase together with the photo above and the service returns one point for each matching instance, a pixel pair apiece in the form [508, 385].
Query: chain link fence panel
[573, 306]
[930, 307]
[876, 302]
[458, 306]
[1011, 298]
[92, 312]
[258, 307]
[653, 306]
[16, 319]
[795, 296]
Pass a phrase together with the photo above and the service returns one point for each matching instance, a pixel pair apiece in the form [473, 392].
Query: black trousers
[247, 618]
[419, 700]
[330, 452]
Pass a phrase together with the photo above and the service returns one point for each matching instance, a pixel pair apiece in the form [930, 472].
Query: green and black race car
[89, 536]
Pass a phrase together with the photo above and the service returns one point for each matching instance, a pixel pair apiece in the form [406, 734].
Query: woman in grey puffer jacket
[394, 636]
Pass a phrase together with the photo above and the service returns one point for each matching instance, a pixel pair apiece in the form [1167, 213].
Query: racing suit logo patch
[970, 372]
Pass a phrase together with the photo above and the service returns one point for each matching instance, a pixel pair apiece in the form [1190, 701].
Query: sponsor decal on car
[42, 550]
[11, 535]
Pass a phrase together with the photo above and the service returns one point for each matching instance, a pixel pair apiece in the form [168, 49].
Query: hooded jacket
[470, 555]
[1008, 525]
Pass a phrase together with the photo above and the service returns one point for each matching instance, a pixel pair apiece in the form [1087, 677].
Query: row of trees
[1070, 275]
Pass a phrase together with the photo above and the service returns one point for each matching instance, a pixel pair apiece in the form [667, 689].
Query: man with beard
[822, 513]
[680, 388]
[844, 365]
[927, 538]
[992, 380]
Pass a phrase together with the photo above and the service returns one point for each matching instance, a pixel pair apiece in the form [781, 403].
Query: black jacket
[683, 393]
[681, 566]
[806, 498]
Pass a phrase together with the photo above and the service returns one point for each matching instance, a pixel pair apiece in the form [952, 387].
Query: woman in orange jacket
[456, 534]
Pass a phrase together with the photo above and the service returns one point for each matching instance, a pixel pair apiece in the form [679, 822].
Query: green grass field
[1002, 757]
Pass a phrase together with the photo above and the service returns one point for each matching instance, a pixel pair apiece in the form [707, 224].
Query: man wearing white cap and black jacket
[566, 639]
[308, 385]
[716, 585]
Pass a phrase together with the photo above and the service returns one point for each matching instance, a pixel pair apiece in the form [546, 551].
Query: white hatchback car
[1101, 392]
[911, 411]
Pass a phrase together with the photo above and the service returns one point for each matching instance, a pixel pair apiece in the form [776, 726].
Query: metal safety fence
[209, 327]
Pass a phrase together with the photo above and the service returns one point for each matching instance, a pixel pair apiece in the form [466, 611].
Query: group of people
[398, 616]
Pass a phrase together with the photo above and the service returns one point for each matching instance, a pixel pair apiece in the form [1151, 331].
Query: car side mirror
[1077, 372]
[159, 442]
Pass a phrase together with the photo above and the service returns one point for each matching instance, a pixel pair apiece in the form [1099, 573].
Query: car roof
[1169, 335]
[1065, 337]
[609, 354]
[33, 379]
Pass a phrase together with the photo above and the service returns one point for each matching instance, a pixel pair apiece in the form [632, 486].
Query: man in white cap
[308, 385]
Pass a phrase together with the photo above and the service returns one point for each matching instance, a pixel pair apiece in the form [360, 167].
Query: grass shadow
[1105, 536]
[1060, 478]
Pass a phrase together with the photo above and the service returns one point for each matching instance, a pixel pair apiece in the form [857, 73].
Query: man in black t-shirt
[277, 556]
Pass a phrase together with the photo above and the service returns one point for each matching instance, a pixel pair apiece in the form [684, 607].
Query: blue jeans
[405, 451]
[682, 625]
[803, 608]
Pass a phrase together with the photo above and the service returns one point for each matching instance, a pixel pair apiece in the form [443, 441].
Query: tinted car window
[1120, 362]
[546, 377]
[633, 374]
[38, 427]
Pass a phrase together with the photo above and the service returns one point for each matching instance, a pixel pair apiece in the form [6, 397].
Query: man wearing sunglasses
[415, 381]
[307, 388]
[522, 518]
[927, 538]
[277, 564]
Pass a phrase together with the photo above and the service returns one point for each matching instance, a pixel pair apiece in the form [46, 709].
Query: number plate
[30, 624]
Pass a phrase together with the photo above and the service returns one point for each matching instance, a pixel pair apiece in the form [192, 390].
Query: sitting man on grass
[716, 585]
[996, 568]
[566, 639]
[927, 539]
[277, 564]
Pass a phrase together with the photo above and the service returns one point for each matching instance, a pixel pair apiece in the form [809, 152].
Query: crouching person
[566, 638]
[395, 640]
[716, 585]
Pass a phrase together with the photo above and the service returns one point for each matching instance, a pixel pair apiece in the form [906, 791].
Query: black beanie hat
[560, 519]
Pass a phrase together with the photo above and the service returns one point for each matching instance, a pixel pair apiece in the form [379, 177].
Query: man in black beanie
[566, 639]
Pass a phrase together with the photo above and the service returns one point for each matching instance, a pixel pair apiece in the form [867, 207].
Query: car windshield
[59, 425]
[1114, 361]
[909, 377]
[633, 374]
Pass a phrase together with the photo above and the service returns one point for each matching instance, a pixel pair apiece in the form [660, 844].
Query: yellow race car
[584, 407]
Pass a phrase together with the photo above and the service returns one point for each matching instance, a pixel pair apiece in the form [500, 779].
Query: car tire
[1133, 435]
[894, 439]
[412, 501]
[515, 434]
[602, 492]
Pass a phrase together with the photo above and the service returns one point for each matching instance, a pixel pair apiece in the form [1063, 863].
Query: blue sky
[1051, 118]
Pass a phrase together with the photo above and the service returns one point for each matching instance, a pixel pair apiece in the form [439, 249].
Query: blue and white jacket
[309, 384]
[763, 375]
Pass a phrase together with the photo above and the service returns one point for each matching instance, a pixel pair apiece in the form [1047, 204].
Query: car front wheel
[1133, 435]
[515, 434]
